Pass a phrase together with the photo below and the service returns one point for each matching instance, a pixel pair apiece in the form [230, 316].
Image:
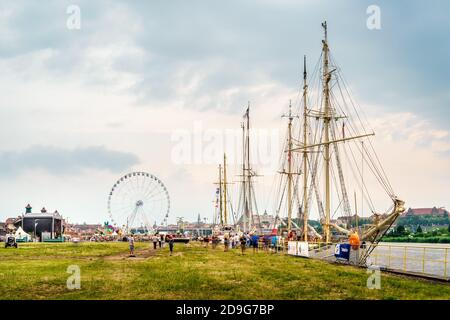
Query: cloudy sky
[79, 108]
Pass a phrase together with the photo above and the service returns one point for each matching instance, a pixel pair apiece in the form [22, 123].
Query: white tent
[22, 235]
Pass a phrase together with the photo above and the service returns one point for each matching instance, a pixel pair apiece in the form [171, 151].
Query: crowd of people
[158, 240]
[268, 243]
[229, 241]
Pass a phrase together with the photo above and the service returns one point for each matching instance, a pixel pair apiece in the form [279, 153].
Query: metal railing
[432, 261]
[427, 260]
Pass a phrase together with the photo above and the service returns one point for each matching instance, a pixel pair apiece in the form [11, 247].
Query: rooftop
[425, 211]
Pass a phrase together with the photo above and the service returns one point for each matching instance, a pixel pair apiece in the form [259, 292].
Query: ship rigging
[328, 151]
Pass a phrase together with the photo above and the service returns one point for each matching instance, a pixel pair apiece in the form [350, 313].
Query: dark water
[428, 258]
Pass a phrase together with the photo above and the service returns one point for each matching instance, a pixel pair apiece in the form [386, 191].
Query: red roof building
[425, 212]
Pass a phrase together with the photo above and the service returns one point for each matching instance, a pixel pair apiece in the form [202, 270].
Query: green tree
[400, 230]
[419, 229]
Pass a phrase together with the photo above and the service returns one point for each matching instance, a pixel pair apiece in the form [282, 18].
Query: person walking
[274, 243]
[226, 242]
[171, 241]
[131, 245]
[266, 244]
[248, 240]
[162, 241]
[214, 241]
[255, 240]
[155, 241]
[243, 241]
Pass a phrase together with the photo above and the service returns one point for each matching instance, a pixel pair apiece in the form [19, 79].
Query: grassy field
[39, 271]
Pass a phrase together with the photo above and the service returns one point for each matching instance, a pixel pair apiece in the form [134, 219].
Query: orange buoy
[354, 241]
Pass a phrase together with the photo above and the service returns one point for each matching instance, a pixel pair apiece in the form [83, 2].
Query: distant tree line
[402, 234]
[424, 220]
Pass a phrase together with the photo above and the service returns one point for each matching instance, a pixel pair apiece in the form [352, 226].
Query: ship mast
[248, 193]
[244, 193]
[289, 173]
[305, 156]
[327, 113]
[249, 184]
[223, 195]
[246, 171]
[220, 195]
[327, 117]
[225, 188]
[290, 169]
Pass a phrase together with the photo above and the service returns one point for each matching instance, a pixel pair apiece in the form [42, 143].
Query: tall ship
[244, 217]
[331, 186]
[330, 169]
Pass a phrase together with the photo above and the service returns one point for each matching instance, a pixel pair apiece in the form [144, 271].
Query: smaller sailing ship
[246, 217]
[249, 219]
[224, 215]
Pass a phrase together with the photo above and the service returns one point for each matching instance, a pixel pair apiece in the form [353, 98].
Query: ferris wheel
[137, 201]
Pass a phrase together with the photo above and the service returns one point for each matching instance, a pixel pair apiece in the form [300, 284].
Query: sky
[134, 82]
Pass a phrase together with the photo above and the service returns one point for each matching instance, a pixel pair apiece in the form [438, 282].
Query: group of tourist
[100, 238]
[157, 240]
[242, 241]
[230, 240]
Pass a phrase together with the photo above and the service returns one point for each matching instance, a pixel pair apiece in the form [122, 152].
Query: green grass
[38, 271]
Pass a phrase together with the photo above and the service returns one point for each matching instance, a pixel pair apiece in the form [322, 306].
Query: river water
[429, 258]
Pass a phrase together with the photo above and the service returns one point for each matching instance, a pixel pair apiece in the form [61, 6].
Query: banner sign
[302, 249]
[342, 251]
[292, 248]
[298, 248]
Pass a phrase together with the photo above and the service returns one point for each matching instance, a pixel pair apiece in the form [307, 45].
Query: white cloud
[134, 74]
[60, 161]
[413, 131]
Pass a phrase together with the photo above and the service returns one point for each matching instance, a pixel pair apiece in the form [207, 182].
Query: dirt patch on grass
[177, 254]
[140, 254]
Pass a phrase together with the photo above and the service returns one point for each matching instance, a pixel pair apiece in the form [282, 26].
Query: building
[425, 212]
[199, 229]
[202, 229]
[41, 225]
[263, 222]
[83, 230]
[266, 221]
